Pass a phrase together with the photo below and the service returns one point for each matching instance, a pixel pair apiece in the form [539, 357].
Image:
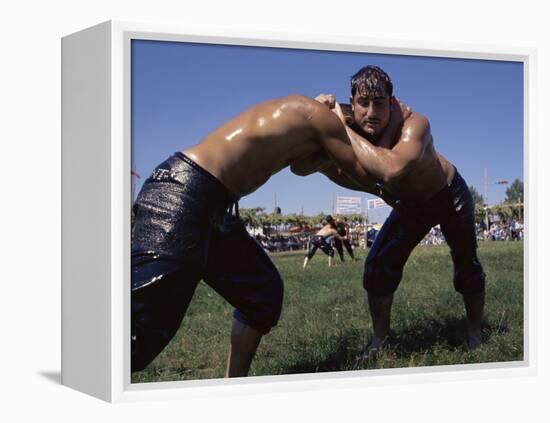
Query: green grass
[325, 325]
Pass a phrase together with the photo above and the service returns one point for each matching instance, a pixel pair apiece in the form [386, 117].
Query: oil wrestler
[187, 226]
[322, 240]
[395, 146]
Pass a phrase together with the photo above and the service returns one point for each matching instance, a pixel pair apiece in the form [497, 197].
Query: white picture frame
[96, 226]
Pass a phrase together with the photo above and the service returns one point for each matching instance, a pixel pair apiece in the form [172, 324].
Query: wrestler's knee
[263, 314]
[380, 277]
[469, 277]
[469, 280]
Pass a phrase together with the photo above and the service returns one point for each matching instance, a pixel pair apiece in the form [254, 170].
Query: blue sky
[183, 91]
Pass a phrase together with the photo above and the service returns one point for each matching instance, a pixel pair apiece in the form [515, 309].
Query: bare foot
[372, 350]
[473, 338]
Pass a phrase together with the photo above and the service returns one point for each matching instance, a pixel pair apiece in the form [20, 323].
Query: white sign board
[348, 205]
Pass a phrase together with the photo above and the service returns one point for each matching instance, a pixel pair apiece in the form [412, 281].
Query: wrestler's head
[330, 220]
[371, 96]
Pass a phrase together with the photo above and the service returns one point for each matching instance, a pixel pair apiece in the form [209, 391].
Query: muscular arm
[390, 165]
[330, 232]
[335, 141]
[316, 162]
[340, 178]
[320, 162]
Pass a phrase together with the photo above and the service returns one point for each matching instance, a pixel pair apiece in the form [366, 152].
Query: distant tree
[518, 212]
[318, 218]
[476, 196]
[275, 219]
[252, 217]
[504, 211]
[293, 220]
[479, 213]
[514, 194]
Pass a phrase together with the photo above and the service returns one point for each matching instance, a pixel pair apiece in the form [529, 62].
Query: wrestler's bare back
[327, 230]
[247, 150]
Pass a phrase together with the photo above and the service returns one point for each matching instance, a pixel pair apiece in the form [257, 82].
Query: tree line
[257, 217]
[510, 208]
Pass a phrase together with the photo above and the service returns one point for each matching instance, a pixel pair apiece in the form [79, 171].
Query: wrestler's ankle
[473, 337]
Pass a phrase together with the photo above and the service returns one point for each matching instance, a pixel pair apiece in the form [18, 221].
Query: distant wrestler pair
[333, 232]
[185, 229]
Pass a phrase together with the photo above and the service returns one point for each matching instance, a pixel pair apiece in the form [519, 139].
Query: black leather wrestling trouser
[318, 241]
[453, 209]
[185, 231]
[339, 245]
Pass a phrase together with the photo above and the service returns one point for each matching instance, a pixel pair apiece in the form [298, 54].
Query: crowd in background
[359, 232]
[434, 237]
[501, 231]
[277, 243]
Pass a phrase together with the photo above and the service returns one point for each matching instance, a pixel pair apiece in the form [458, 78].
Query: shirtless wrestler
[322, 239]
[185, 229]
[424, 189]
[342, 227]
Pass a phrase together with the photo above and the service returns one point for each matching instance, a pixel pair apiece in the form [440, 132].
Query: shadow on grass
[447, 332]
[343, 351]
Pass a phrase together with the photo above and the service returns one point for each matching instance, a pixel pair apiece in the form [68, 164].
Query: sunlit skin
[400, 154]
[326, 231]
[244, 152]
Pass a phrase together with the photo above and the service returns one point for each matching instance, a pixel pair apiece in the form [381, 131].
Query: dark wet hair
[330, 221]
[371, 81]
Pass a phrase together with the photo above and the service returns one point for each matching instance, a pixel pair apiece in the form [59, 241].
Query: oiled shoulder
[416, 128]
[320, 117]
[286, 115]
[417, 122]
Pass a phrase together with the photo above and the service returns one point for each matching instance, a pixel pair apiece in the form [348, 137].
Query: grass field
[325, 324]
